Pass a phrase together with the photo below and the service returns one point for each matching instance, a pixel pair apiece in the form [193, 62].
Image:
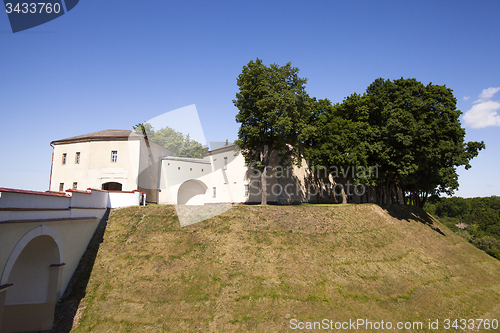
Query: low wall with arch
[42, 238]
[192, 192]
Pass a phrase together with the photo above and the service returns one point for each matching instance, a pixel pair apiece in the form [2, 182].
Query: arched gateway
[192, 192]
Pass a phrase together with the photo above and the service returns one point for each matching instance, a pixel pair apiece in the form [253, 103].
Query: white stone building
[111, 160]
[121, 160]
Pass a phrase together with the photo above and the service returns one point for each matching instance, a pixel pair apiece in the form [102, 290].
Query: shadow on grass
[408, 213]
[68, 303]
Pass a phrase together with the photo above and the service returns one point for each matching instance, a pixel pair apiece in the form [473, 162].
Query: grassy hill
[255, 268]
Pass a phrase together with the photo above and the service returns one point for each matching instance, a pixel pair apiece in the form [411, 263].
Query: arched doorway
[33, 271]
[112, 186]
[192, 192]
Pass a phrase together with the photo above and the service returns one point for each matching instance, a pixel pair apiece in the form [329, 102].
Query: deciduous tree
[273, 107]
[178, 144]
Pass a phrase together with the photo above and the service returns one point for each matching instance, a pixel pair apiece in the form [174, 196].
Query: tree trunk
[263, 185]
[388, 194]
[381, 195]
[263, 177]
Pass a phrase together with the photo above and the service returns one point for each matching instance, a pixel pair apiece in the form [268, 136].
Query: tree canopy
[178, 144]
[273, 107]
[408, 131]
[479, 219]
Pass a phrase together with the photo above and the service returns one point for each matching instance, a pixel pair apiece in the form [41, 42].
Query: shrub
[488, 244]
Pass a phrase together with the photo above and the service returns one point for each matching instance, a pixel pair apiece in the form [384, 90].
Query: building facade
[113, 160]
[121, 160]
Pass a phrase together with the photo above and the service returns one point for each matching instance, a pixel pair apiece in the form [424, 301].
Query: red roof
[95, 189]
[13, 190]
[78, 191]
[102, 136]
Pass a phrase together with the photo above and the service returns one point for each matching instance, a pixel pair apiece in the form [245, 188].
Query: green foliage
[410, 131]
[178, 144]
[488, 244]
[481, 215]
[422, 141]
[452, 207]
[339, 135]
[273, 107]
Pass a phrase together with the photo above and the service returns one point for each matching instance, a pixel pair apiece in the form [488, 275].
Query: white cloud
[466, 98]
[487, 94]
[483, 115]
[484, 111]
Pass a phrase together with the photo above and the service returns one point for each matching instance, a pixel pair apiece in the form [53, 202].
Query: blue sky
[112, 64]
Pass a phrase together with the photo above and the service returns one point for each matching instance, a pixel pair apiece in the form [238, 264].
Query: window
[225, 163]
[214, 195]
[61, 187]
[77, 157]
[246, 190]
[64, 158]
[114, 156]
[75, 185]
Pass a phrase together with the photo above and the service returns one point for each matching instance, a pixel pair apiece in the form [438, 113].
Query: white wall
[228, 175]
[27, 200]
[175, 171]
[224, 169]
[95, 167]
[73, 223]
[124, 199]
[92, 198]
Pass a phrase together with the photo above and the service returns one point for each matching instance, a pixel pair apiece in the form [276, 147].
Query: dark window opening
[112, 186]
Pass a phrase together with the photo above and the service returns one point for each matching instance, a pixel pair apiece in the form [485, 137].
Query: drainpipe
[158, 189]
[212, 166]
[51, 166]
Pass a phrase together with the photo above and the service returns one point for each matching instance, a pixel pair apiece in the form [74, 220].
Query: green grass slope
[255, 268]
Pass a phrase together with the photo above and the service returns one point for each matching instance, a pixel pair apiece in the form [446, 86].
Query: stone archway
[192, 192]
[33, 272]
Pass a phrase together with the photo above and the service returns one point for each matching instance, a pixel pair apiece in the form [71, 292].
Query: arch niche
[192, 192]
[33, 270]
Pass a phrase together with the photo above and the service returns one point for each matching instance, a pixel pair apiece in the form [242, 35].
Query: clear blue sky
[112, 64]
